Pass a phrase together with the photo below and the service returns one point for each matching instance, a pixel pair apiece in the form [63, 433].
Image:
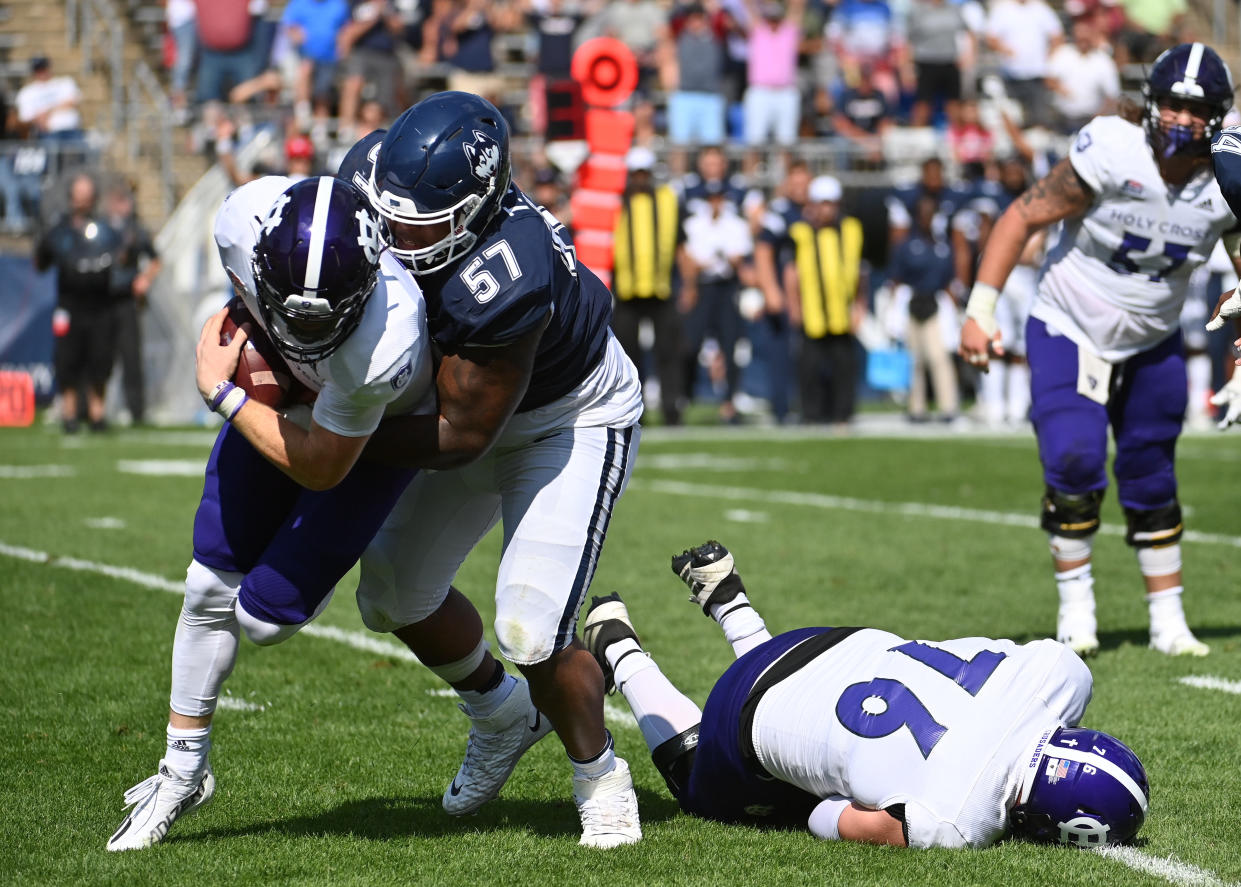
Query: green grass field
[331, 758]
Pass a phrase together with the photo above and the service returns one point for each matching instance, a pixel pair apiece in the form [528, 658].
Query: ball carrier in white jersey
[284, 516]
[858, 734]
[1140, 210]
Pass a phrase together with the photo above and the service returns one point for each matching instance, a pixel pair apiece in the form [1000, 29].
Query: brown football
[261, 372]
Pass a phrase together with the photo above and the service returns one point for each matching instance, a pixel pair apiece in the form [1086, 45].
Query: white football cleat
[609, 808]
[1076, 626]
[495, 746]
[158, 801]
[1184, 644]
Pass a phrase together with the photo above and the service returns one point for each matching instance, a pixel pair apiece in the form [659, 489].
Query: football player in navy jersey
[1139, 212]
[1226, 160]
[538, 411]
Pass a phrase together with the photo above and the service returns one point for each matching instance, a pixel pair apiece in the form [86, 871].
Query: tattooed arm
[479, 390]
[1061, 194]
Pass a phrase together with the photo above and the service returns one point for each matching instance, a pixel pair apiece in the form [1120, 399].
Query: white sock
[483, 703]
[1076, 587]
[626, 658]
[1167, 614]
[205, 647]
[662, 711]
[600, 765]
[743, 627]
[186, 752]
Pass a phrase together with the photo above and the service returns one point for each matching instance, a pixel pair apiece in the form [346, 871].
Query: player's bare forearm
[315, 458]
[1060, 194]
[479, 390]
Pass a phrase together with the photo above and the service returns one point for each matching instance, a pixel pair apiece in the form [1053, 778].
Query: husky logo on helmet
[484, 156]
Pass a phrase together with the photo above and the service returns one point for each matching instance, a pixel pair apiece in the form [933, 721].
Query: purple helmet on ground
[1086, 788]
[315, 265]
[1191, 72]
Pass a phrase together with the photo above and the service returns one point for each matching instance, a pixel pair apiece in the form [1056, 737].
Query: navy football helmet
[1087, 789]
[356, 165]
[1186, 72]
[444, 163]
[315, 265]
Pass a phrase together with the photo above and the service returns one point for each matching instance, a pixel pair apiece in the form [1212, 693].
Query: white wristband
[981, 307]
[825, 819]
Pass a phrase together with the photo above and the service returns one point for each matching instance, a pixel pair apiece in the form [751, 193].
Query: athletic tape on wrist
[981, 306]
[226, 399]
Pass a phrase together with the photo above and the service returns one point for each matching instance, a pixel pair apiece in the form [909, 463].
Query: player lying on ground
[861, 735]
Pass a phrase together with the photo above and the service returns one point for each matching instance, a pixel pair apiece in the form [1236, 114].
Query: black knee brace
[1159, 526]
[674, 758]
[1071, 515]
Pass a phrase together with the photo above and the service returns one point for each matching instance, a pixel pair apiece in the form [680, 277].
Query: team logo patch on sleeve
[402, 376]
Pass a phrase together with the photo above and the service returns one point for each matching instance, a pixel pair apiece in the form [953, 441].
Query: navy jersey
[694, 193]
[780, 216]
[523, 266]
[1226, 160]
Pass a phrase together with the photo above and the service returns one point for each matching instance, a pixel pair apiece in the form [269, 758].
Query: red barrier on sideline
[16, 399]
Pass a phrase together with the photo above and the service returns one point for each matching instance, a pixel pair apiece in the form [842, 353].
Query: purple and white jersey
[382, 368]
[1115, 280]
[946, 728]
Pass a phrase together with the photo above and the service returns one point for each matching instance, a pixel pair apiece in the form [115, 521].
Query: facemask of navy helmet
[315, 266]
[444, 164]
[1189, 72]
[1083, 788]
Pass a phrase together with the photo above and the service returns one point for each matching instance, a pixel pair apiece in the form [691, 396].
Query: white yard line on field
[1169, 868]
[356, 639]
[1211, 682]
[236, 704]
[163, 467]
[104, 523]
[828, 502]
[33, 472]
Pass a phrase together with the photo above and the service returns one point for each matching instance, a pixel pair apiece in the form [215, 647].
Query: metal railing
[139, 111]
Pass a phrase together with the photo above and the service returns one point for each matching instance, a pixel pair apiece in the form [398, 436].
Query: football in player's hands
[261, 372]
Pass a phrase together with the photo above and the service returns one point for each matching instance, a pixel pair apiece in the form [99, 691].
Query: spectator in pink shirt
[772, 100]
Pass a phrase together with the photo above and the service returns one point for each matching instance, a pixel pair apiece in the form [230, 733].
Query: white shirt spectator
[39, 96]
[714, 241]
[1026, 29]
[1087, 81]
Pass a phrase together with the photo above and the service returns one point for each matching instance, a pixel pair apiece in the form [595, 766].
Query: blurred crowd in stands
[833, 166]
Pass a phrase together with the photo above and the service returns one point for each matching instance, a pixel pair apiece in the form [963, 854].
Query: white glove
[1230, 308]
[1229, 397]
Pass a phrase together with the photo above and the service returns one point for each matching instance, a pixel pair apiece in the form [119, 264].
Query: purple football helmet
[315, 265]
[1087, 788]
[1186, 72]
